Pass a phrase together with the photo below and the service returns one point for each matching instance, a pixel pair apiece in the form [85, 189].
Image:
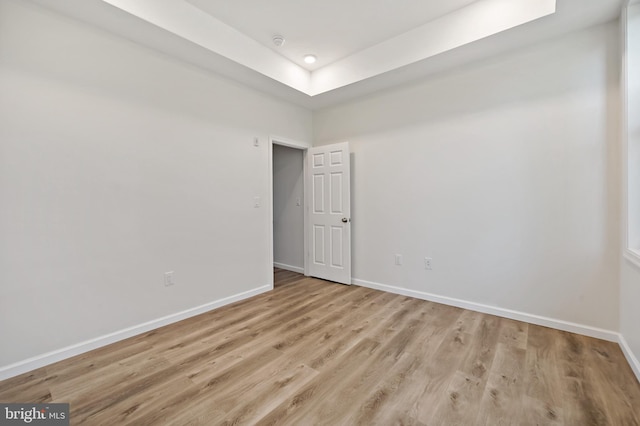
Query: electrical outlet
[427, 263]
[257, 202]
[398, 260]
[168, 279]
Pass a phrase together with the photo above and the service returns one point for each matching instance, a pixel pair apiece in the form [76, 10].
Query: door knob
[345, 220]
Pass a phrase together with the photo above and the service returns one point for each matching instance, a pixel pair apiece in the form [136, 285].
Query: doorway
[309, 217]
[288, 207]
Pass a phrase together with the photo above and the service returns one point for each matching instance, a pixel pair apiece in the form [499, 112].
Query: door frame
[303, 146]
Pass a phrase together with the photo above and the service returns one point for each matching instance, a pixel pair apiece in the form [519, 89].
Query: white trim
[39, 361]
[628, 353]
[628, 251]
[289, 142]
[572, 327]
[632, 256]
[624, 132]
[289, 267]
[631, 253]
[269, 204]
[305, 218]
[277, 140]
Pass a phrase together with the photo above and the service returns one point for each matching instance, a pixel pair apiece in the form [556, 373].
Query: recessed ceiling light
[310, 59]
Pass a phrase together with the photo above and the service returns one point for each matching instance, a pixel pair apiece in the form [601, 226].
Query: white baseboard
[585, 330]
[288, 267]
[631, 358]
[80, 348]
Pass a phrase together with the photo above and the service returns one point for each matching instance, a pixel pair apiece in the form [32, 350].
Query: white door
[329, 225]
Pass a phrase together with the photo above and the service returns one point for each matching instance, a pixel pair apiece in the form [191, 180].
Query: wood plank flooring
[317, 353]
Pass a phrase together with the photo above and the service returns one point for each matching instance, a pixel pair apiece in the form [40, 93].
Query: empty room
[418, 212]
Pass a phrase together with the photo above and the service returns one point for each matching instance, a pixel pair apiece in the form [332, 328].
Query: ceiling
[329, 29]
[362, 46]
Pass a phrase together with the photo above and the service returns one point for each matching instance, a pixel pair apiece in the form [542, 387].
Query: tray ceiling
[362, 45]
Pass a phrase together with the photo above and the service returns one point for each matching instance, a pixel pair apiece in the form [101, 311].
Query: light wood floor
[313, 352]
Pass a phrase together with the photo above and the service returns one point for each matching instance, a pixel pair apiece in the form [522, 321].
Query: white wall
[288, 213]
[504, 172]
[630, 276]
[116, 165]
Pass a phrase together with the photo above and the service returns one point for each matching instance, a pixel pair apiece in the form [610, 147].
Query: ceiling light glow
[310, 59]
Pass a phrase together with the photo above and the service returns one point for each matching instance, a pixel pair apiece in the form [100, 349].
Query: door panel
[330, 212]
[337, 236]
[318, 244]
[336, 193]
[318, 194]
